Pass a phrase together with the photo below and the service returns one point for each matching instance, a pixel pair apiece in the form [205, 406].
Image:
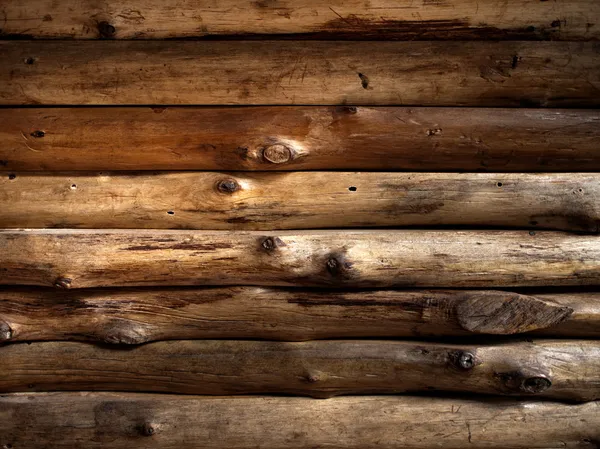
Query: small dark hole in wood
[37, 134]
[499, 184]
[12, 176]
[170, 212]
[29, 61]
[352, 188]
[364, 80]
[73, 186]
[8, 446]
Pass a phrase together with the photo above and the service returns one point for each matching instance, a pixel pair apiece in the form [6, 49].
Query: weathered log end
[503, 313]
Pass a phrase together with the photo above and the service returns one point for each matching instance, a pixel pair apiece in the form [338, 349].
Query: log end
[503, 313]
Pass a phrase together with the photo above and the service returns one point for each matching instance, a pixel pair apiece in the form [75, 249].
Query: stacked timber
[296, 223]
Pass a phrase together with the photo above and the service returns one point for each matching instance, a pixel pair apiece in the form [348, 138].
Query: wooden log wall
[286, 198]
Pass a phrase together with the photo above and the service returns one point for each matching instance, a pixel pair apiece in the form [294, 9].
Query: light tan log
[300, 138]
[559, 369]
[115, 421]
[381, 19]
[134, 316]
[552, 74]
[401, 258]
[299, 200]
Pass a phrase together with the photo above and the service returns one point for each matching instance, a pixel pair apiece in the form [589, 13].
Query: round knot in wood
[277, 154]
[535, 384]
[228, 186]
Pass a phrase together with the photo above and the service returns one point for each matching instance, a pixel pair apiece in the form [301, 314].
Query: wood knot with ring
[277, 154]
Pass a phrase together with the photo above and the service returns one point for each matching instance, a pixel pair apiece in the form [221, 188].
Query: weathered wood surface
[299, 200]
[381, 19]
[400, 258]
[454, 73]
[134, 316]
[115, 421]
[558, 369]
[300, 138]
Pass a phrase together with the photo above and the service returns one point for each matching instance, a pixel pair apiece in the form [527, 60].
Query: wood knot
[6, 332]
[338, 266]
[106, 30]
[63, 283]
[312, 378]
[351, 110]
[463, 360]
[125, 335]
[277, 154]
[228, 186]
[535, 384]
[272, 243]
[147, 429]
[38, 134]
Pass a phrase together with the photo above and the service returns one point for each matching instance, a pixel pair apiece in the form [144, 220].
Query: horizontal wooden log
[558, 369]
[90, 258]
[134, 316]
[114, 421]
[299, 138]
[549, 74]
[299, 200]
[383, 19]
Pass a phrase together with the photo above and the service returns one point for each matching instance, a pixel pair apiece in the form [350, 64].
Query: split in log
[558, 369]
[300, 138]
[400, 258]
[254, 201]
[136, 421]
[348, 19]
[134, 316]
[551, 74]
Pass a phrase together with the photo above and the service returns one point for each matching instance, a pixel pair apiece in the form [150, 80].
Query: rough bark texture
[133, 316]
[381, 19]
[112, 420]
[300, 138]
[559, 369]
[88, 258]
[270, 201]
[455, 73]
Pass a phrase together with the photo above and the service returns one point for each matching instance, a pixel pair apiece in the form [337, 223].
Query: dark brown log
[550, 74]
[349, 19]
[300, 138]
[268, 201]
[559, 369]
[115, 421]
[89, 258]
[133, 316]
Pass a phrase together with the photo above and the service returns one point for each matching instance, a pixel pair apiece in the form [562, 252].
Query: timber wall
[217, 216]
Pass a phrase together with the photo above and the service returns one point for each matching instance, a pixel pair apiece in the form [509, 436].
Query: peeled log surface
[299, 200]
[551, 74]
[134, 316]
[102, 258]
[300, 138]
[558, 369]
[350, 19]
[114, 421]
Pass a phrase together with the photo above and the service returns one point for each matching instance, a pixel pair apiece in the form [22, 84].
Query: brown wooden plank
[300, 138]
[134, 316]
[556, 369]
[382, 19]
[299, 200]
[133, 420]
[89, 258]
[549, 74]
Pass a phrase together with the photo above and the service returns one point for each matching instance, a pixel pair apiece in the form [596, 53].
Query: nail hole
[12, 176]
[352, 188]
[73, 186]
[37, 134]
[170, 212]
[29, 61]
[364, 80]
[499, 184]
[8, 446]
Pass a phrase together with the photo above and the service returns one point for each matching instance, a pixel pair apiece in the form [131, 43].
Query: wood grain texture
[558, 369]
[134, 316]
[552, 74]
[313, 138]
[299, 200]
[89, 258]
[113, 420]
[380, 19]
